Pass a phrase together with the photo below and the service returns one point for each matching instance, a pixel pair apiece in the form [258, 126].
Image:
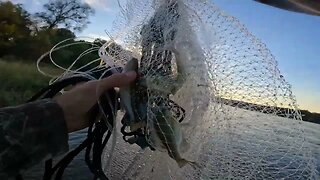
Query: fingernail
[131, 74]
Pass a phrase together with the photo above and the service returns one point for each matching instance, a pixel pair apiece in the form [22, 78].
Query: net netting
[239, 115]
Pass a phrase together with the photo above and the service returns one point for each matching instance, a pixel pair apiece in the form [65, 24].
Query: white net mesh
[241, 118]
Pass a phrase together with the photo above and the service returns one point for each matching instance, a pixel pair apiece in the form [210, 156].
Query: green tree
[14, 26]
[27, 39]
[43, 41]
[61, 34]
[73, 14]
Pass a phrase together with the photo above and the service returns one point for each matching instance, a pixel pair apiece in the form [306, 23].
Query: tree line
[25, 36]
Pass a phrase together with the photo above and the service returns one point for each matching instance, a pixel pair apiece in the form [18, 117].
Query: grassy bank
[19, 81]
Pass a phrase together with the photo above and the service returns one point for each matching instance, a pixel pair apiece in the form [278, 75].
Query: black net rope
[98, 132]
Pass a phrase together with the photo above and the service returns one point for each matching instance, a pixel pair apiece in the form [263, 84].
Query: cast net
[204, 67]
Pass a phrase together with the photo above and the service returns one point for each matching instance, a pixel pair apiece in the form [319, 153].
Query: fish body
[125, 92]
[168, 84]
[166, 133]
[129, 101]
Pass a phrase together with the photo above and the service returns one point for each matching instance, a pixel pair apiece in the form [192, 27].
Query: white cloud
[100, 4]
[17, 1]
[35, 2]
[30, 5]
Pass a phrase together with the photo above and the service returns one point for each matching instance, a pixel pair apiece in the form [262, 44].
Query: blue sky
[292, 38]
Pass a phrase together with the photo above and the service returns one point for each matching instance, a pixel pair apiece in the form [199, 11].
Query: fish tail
[183, 162]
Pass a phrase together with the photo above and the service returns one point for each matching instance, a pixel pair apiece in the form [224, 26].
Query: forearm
[29, 133]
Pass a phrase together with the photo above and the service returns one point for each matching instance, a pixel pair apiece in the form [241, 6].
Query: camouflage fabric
[30, 133]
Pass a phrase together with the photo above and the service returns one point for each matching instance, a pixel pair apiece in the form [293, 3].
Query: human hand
[77, 102]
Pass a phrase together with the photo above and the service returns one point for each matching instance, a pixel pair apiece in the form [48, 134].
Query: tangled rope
[98, 132]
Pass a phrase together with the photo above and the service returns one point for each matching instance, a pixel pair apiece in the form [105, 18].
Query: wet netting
[209, 103]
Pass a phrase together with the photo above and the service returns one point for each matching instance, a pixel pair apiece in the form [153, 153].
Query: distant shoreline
[282, 112]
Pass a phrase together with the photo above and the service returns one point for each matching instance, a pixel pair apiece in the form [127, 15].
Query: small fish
[168, 84]
[167, 134]
[125, 92]
[129, 98]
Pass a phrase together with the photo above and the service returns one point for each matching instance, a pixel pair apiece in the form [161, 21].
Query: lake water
[248, 146]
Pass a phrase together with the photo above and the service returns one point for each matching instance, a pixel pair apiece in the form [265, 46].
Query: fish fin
[184, 146]
[182, 162]
[137, 125]
[187, 124]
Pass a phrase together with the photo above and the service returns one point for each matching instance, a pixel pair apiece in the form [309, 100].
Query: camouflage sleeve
[30, 133]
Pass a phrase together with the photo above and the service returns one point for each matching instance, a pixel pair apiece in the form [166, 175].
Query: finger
[117, 80]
